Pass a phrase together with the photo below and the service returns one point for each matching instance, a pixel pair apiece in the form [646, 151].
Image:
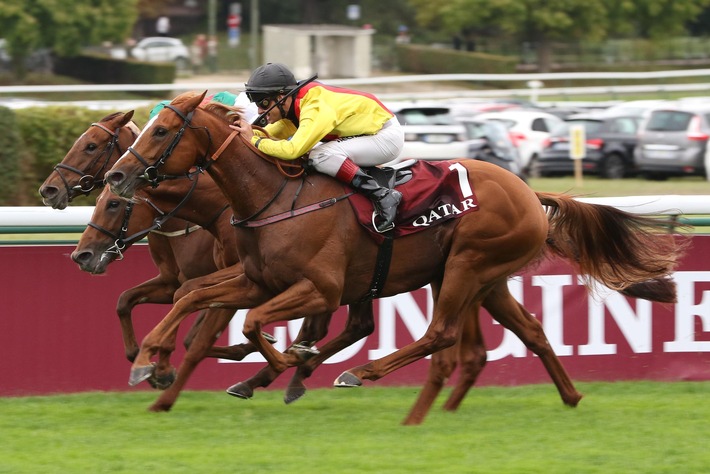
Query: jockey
[356, 130]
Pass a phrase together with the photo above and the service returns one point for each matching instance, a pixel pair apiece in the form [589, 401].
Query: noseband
[121, 241]
[88, 182]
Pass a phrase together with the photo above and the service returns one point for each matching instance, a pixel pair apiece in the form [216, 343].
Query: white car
[528, 130]
[162, 49]
[430, 132]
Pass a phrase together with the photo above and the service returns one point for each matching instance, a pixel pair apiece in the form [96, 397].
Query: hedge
[34, 140]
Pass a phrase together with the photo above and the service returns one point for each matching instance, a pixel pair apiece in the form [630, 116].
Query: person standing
[212, 46]
[162, 26]
[355, 129]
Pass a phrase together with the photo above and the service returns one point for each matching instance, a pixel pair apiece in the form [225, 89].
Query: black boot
[386, 200]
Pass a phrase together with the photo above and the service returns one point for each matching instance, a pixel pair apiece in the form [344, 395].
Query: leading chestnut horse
[311, 264]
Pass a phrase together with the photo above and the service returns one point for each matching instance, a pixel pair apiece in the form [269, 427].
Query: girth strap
[382, 268]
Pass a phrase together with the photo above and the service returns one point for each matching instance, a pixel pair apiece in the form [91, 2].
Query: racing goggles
[261, 99]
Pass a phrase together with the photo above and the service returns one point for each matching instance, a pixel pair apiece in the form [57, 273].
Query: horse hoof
[159, 407]
[139, 374]
[293, 394]
[161, 382]
[347, 380]
[303, 351]
[269, 338]
[241, 390]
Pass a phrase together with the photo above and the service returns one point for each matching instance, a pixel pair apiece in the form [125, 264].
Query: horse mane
[227, 113]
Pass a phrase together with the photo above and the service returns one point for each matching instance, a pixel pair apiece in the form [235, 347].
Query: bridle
[121, 240]
[151, 174]
[88, 182]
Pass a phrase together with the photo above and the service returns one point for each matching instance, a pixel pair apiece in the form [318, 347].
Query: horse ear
[126, 118]
[192, 103]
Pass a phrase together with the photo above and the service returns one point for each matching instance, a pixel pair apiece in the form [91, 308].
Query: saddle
[391, 176]
[432, 193]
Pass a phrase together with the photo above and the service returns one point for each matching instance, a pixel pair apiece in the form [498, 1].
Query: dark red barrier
[60, 332]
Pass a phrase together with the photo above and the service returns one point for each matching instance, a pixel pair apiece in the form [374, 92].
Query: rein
[121, 241]
[88, 182]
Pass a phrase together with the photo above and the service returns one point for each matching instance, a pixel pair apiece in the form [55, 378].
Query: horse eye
[91, 147]
[114, 203]
[160, 132]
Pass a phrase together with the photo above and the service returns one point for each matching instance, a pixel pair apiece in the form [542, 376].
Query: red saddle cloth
[438, 191]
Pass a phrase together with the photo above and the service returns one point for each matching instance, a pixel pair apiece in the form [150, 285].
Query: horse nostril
[115, 177]
[82, 257]
[48, 191]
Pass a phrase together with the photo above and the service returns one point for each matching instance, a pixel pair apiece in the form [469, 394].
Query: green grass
[593, 186]
[640, 427]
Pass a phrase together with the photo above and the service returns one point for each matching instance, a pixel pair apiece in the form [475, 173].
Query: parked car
[430, 132]
[528, 130]
[39, 60]
[162, 49]
[638, 108]
[609, 148]
[488, 140]
[673, 141]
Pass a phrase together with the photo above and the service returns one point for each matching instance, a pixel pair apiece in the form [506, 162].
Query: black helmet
[269, 80]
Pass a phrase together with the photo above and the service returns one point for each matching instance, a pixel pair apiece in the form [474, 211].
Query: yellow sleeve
[317, 120]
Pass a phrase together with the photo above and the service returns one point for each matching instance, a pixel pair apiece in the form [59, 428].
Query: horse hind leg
[469, 354]
[513, 316]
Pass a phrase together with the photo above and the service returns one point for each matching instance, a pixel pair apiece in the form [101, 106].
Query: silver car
[672, 141]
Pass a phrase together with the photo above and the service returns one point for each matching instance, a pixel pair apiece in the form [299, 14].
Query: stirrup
[374, 225]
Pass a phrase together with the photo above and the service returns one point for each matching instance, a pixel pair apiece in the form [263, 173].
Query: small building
[331, 51]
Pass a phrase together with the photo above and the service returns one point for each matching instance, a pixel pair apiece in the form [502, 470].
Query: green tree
[543, 21]
[63, 27]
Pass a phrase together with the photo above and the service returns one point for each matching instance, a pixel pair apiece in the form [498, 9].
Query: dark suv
[610, 143]
[673, 142]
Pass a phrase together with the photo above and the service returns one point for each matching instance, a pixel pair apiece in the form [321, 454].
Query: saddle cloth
[438, 192]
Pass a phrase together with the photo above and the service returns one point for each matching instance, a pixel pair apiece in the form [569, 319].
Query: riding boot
[386, 200]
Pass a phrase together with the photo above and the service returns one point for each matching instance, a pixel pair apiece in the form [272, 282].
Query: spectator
[197, 53]
[212, 45]
[162, 26]
[402, 35]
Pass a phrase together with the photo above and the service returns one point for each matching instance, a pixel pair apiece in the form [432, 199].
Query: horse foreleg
[313, 329]
[360, 324]
[156, 290]
[213, 324]
[236, 293]
[303, 299]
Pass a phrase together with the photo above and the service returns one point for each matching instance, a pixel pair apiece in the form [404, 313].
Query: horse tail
[629, 253]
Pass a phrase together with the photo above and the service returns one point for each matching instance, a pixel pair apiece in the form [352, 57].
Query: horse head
[155, 156]
[94, 152]
[115, 225]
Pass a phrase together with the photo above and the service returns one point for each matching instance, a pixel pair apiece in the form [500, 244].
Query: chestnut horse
[312, 264]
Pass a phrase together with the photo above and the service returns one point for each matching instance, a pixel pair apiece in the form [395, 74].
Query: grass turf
[630, 427]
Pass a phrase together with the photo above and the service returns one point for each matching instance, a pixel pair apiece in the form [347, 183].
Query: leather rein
[153, 177]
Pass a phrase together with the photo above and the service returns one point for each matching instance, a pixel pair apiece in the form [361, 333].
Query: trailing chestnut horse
[314, 263]
[173, 251]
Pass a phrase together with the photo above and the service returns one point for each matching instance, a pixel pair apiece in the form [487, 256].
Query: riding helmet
[272, 78]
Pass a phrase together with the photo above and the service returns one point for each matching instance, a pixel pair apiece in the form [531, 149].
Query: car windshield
[507, 122]
[591, 127]
[669, 121]
[425, 116]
